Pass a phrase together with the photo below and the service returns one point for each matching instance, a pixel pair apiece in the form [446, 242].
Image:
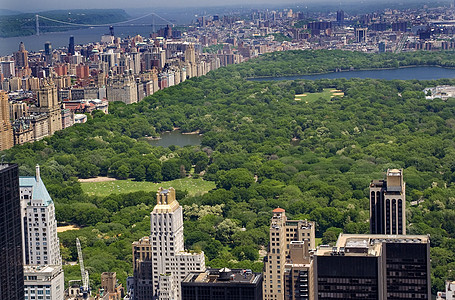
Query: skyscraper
[282, 233]
[21, 57]
[381, 267]
[388, 204]
[190, 54]
[160, 261]
[48, 53]
[39, 225]
[361, 35]
[48, 103]
[6, 129]
[298, 272]
[43, 271]
[71, 50]
[340, 18]
[11, 269]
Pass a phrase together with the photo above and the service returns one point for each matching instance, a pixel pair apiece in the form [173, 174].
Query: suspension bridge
[126, 23]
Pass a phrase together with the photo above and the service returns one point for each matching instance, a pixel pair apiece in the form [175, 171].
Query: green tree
[139, 173]
[170, 169]
[246, 253]
[238, 178]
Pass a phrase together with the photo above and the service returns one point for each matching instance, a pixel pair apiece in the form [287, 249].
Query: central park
[311, 147]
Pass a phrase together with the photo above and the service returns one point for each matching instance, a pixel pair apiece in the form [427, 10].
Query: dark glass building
[345, 277]
[223, 284]
[374, 267]
[71, 50]
[340, 18]
[11, 266]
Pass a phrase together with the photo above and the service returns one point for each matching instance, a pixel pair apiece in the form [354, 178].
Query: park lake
[176, 138]
[409, 73]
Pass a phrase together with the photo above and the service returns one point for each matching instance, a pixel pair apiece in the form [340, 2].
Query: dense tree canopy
[263, 149]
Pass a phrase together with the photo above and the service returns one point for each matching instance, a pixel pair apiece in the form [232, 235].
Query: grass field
[193, 186]
[325, 94]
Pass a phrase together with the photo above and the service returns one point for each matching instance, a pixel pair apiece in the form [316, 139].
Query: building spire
[37, 174]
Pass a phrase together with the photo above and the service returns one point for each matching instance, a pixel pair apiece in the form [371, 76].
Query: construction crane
[85, 288]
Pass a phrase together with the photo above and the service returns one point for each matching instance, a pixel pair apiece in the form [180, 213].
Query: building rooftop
[223, 276]
[278, 210]
[367, 244]
[39, 191]
[165, 201]
[4, 166]
[41, 270]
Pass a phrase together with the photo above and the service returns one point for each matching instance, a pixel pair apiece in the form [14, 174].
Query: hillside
[23, 24]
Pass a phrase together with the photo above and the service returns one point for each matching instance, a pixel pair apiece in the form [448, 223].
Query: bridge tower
[37, 24]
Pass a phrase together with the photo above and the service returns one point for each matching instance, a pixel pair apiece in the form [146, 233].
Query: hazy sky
[40, 5]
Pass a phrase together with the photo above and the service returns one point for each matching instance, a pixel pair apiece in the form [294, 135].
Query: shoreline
[153, 138]
[345, 71]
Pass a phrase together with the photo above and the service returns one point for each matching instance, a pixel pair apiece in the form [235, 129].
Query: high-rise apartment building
[361, 35]
[282, 233]
[160, 261]
[6, 129]
[388, 204]
[48, 53]
[21, 57]
[44, 282]
[41, 244]
[109, 289]
[7, 68]
[190, 54]
[298, 272]
[378, 267]
[71, 50]
[49, 104]
[11, 269]
[340, 18]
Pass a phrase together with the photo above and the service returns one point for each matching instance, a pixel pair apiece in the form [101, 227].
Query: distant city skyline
[32, 6]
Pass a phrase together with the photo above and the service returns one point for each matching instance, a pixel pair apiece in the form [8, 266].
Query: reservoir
[419, 73]
[177, 138]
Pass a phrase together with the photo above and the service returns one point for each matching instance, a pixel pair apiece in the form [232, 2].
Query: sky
[42, 5]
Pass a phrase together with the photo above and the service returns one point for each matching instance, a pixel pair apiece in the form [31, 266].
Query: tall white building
[160, 261]
[39, 227]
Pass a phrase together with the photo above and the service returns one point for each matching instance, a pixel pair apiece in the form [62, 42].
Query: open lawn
[325, 94]
[193, 186]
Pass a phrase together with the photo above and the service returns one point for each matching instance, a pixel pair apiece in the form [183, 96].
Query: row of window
[39, 292]
[41, 209]
[36, 286]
